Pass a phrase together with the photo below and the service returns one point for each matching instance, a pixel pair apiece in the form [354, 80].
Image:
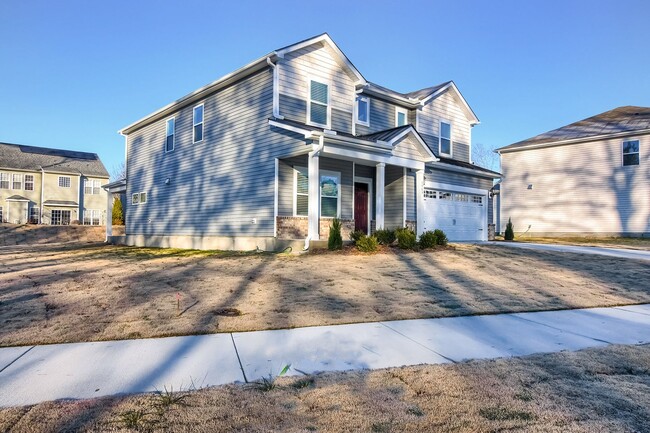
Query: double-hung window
[4, 180]
[18, 181]
[330, 193]
[363, 110]
[401, 116]
[631, 152]
[29, 182]
[34, 215]
[198, 123]
[318, 108]
[91, 187]
[64, 181]
[444, 146]
[170, 134]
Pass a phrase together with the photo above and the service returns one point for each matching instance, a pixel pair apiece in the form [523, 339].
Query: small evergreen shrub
[367, 244]
[385, 236]
[356, 235]
[406, 238]
[118, 213]
[440, 237]
[335, 241]
[428, 239]
[509, 235]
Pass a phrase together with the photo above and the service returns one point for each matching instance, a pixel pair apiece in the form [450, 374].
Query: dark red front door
[361, 207]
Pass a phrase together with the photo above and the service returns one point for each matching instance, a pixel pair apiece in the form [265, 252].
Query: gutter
[444, 166]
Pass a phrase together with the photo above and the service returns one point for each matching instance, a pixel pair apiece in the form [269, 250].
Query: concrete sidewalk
[601, 251]
[30, 375]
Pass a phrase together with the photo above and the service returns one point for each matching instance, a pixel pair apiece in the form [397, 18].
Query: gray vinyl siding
[286, 183]
[382, 116]
[457, 179]
[393, 197]
[460, 151]
[341, 121]
[293, 108]
[411, 197]
[577, 188]
[409, 148]
[218, 186]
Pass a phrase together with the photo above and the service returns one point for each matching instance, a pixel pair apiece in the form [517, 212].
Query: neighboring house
[276, 149]
[591, 177]
[51, 186]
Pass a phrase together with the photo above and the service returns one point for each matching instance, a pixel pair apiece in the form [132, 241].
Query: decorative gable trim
[410, 130]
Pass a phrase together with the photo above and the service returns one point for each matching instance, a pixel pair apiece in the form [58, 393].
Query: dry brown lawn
[607, 242]
[595, 390]
[96, 292]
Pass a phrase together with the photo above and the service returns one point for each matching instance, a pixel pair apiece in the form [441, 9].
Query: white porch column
[419, 194]
[381, 181]
[109, 215]
[314, 197]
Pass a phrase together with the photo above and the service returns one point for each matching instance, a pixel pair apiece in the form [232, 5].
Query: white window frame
[91, 215]
[20, 181]
[328, 105]
[93, 185]
[336, 174]
[29, 182]
[173, 120]
[143, 197]
[60, 211]
[451, 143]
[69, 182]
[406, 115]
[34, 210]
[296, 170]
[135, 199]
[194, 125]
[630, 153]
[4, 177]
[356, 110]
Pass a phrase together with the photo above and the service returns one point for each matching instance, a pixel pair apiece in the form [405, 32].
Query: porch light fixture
[530, 186]
[168, 181]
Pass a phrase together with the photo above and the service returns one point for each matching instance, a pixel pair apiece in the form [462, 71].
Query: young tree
[118, 213]
[485, 156]
[510, 231]
[119, 172]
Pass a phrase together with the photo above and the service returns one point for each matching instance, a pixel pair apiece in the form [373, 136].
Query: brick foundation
[298, 227]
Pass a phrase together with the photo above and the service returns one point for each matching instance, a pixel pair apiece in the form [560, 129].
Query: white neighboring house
[591, 177]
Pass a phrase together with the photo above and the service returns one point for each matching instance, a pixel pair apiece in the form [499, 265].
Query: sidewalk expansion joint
[563, 330]
[21, 355]
[420, 344]
[232, 337]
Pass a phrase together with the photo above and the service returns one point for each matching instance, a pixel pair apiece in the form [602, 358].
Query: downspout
[315, 152]
[276, 89]
[40, 213]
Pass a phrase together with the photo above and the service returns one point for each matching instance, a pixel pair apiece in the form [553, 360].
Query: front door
[361, 207]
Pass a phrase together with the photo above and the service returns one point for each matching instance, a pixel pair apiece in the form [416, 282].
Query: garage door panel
[460, 215]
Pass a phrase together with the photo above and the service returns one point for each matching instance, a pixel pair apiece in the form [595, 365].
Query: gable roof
[32, 158]
[621, 120]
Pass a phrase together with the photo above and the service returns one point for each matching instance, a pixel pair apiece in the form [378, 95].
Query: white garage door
[462, 216]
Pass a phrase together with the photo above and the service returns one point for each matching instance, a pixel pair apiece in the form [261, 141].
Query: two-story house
[591, 177]
[278, 148]
[51, 186]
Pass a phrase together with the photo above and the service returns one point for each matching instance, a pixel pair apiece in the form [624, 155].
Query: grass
[56, 294]
[602, 389]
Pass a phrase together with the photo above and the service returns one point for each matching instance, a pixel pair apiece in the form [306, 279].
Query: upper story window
[198, 123]
[18, 181]
[29, 182]
[318, 107]
[631, 152]
[91, 186]
[444, 146]
[64, 181]
[4, 180]
[401, 116]
[363, 110]
[171, 134]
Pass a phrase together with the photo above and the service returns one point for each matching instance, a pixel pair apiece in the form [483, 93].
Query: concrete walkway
[601, 251]
[30, 375]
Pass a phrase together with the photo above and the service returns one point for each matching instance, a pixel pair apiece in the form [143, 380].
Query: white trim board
[455, 188]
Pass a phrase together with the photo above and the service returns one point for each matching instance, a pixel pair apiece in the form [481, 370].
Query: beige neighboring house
[51, 186]
[591, 177]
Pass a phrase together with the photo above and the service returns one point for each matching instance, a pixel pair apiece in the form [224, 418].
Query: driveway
[609, 252]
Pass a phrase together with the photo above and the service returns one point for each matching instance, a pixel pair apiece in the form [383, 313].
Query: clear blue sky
[73, 72]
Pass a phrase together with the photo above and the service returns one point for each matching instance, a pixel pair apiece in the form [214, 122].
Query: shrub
[118, 213]
[367, 244]
[385, 236]
[427, 239]
[356, 235]
[440, 237]
[335, 241]
[406, 238]
[509, 235]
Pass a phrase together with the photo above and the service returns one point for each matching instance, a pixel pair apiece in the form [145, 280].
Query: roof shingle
[17, 156]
